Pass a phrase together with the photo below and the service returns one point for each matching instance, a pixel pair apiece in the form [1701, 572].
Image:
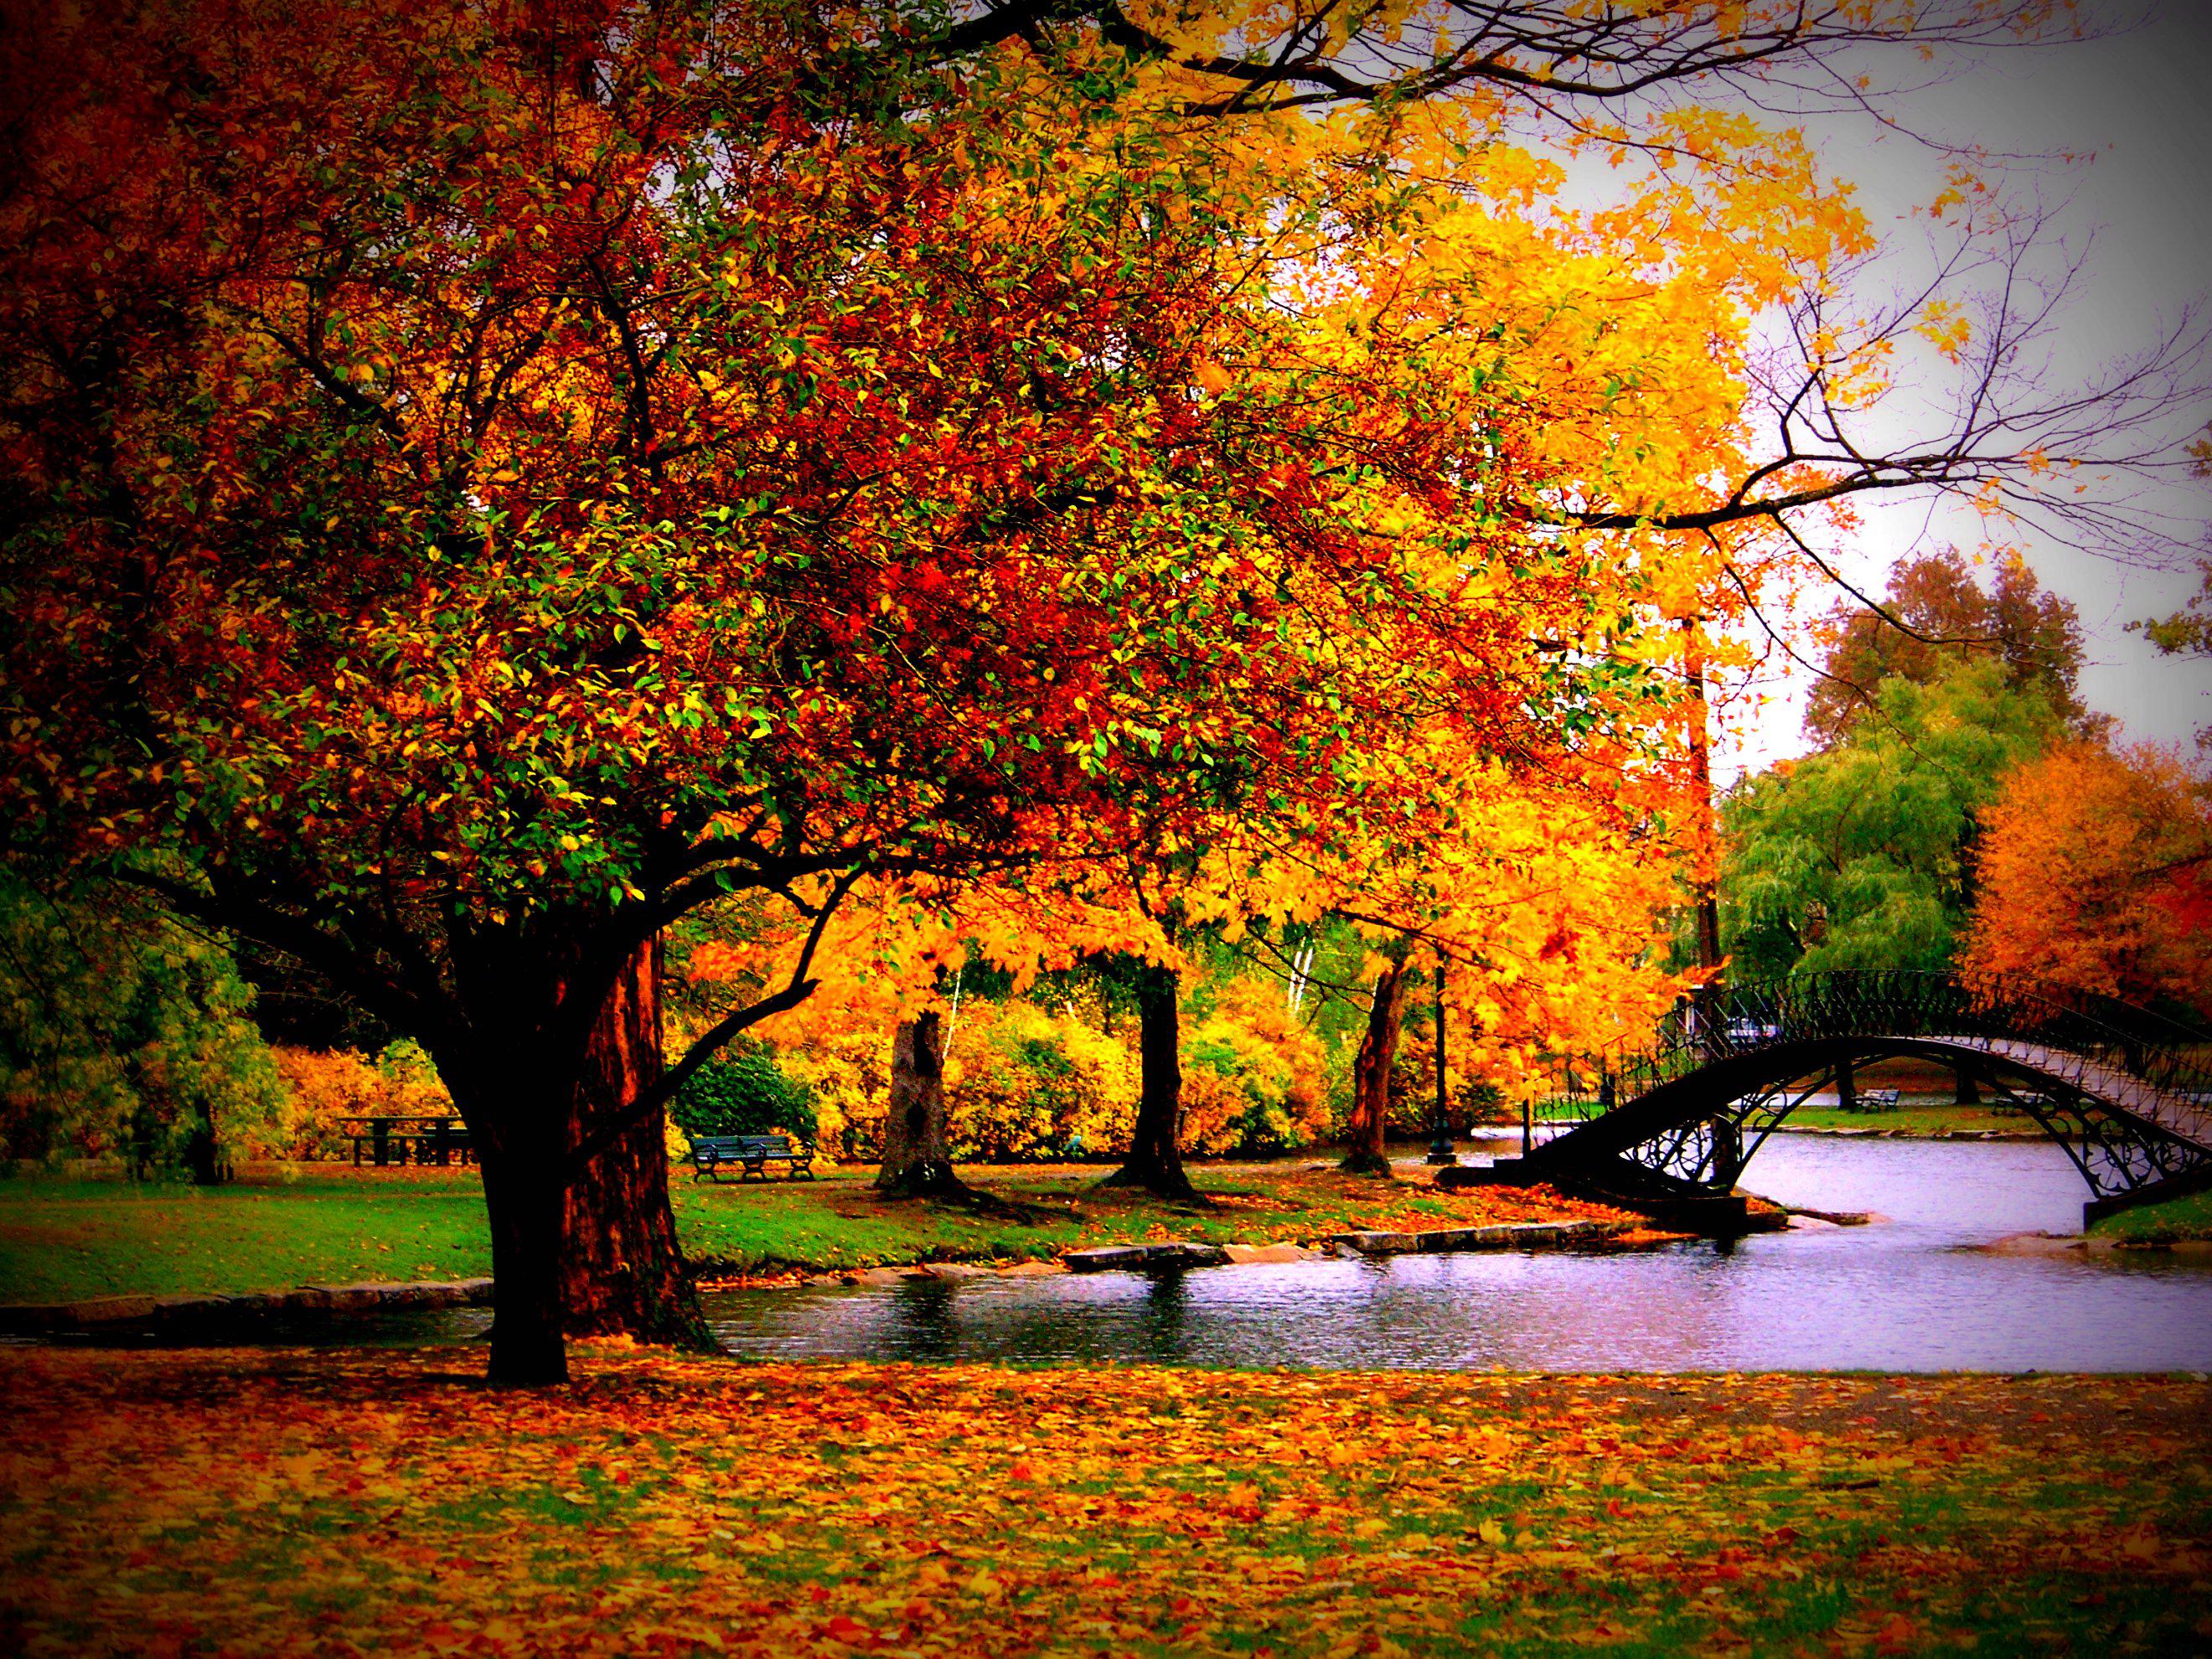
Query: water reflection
[1903, 1295]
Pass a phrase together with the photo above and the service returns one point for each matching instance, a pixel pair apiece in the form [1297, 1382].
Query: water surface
[1907, 1294]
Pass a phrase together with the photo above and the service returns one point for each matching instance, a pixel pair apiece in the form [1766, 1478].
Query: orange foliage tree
[2095, 874]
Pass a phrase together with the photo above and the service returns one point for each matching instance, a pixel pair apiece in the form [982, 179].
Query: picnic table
[392, 1139]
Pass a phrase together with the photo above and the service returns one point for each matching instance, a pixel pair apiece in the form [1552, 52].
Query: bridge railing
[2085, 1040]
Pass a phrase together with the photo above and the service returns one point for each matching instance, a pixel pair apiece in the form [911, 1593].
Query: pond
[1907, 1294]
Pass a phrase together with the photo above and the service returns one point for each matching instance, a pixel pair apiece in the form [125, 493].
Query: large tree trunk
[1155, 1160]
[917, 1139]
[623, 1271]
[522, 1155]
[1371, 1076]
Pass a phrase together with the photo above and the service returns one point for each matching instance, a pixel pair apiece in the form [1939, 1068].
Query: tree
[481, 485]
[1371, 1073]
[1934, 615]
[1861, 857]
[917, 1139]
[569, 541]
[2188, 631]
[122, 1029]
[2095, 874]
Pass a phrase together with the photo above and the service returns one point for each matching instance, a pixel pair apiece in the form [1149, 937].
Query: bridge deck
[2109, 1085]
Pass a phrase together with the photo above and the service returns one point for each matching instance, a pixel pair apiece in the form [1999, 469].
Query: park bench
[751, 1154]
[1876, 1100]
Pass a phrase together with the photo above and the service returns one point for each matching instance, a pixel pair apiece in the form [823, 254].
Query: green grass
[2169, 1223]
[66, 1240]
[1933, 1120]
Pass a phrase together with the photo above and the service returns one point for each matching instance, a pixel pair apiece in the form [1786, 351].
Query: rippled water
[1902, 1295]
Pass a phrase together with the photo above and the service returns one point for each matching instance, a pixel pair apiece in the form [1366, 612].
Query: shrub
[1252, 1076]
[743, 1091]
[1469, 1100]
[1022, 1082]
[847, 1076]
[323, 1087]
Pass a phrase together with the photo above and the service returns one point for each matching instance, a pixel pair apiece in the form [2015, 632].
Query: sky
[2143, 207]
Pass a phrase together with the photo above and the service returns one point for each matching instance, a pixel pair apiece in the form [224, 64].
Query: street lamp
[1440, 1149]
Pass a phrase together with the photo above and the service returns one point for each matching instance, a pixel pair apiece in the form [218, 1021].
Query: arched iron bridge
[2127, 1093]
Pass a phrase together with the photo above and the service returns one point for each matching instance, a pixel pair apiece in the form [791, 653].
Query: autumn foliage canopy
[482, 482]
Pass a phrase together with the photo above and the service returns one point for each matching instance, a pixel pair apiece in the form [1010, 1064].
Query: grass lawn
[275, 1501]
[2168, 1223]
[67, 1240]
[1940, 1118]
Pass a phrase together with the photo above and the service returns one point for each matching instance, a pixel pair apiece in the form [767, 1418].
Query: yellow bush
[1470, 1098]
[848, 1073]
[1252, 1075]
[1023, 1082]
[323, 1087]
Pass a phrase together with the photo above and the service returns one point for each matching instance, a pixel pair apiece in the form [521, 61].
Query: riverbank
[387, 1502]
[73, 1241]
[2178, 1221]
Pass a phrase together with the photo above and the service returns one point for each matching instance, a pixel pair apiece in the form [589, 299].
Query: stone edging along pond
[178, 1314]
[175, 1313]
[1183, 1254]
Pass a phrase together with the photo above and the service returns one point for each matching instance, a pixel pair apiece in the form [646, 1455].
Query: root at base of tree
[1172, 1185]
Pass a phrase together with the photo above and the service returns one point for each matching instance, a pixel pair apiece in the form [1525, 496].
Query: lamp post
[1440, 1149]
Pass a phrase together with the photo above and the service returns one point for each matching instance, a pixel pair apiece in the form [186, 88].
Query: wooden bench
[752, 1154]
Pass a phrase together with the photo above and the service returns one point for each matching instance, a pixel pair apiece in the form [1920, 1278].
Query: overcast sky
[2142, 101]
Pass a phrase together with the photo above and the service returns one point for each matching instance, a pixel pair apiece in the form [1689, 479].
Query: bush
[1470, 1101]
[847, 1075]
[1022, 1082]
[1252, 1076]
[743, 1091]
[323, 1087]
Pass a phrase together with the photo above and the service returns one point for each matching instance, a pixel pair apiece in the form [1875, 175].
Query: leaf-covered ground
[263, 1501]
[62, 1240]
